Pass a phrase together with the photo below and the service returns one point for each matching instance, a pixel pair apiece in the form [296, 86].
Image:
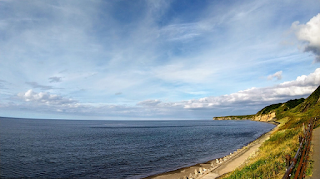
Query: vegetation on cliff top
[278, 108]
[269, 108]
[240, 117]
[269, 161]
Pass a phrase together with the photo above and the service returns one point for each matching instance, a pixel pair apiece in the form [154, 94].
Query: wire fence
[296, 167]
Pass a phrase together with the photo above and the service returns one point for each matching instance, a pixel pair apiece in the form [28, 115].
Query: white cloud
[277, 75]
[310, 33]
[301, 87]
[313, 79]
[242, 102]
[153, 55]
[45, 98]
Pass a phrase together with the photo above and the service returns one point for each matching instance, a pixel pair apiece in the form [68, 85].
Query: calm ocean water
[115, 149]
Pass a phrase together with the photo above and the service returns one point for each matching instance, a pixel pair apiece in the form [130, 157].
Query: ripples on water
[115, 149]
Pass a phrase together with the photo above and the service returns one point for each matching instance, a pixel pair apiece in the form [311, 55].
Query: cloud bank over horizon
[155, 59]
[254, 98]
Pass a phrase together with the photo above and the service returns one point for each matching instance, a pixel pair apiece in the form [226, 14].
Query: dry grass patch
[269, 162]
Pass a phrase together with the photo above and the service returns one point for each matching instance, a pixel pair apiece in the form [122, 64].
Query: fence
[301, 155]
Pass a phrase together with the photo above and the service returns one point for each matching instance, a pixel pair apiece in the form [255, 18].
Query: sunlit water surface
[115, 149]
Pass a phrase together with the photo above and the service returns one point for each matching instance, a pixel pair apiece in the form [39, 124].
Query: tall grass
[269, 162]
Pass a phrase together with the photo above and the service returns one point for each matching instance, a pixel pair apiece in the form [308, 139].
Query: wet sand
[217, 167]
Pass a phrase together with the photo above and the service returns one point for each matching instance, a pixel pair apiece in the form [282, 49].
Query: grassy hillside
[281, 107]
[269, 108]
[269, 162]
[310, 102]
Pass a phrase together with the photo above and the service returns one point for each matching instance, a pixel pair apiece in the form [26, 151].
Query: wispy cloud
[184, 72]
[36, 85]
[181, 32]
[119, 57]
[149, 103]
[277, 75]
[55, 79]
[2, 84]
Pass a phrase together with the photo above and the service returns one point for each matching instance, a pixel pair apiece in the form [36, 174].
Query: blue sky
[121, 59]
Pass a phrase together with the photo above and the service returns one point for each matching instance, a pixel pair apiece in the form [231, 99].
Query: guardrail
[302, 154]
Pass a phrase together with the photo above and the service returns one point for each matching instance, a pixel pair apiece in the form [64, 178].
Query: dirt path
[316, 153]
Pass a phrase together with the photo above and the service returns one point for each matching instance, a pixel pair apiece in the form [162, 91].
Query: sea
[46, 148]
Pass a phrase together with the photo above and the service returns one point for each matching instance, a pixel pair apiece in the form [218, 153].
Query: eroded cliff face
[265, 117]
[223, 118]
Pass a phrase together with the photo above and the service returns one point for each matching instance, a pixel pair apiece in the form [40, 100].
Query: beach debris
[217, 161]
[225, 158]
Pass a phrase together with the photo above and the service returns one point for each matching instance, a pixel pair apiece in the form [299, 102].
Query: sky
[155, 59]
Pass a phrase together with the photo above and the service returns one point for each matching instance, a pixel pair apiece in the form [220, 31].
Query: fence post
[305, 143]
[288, 160]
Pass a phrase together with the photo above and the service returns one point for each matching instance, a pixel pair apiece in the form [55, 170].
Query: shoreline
[217, 167]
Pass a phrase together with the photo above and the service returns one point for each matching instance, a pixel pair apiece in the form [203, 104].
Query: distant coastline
[240, 117]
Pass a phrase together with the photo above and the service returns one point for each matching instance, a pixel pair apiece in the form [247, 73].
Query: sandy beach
[217, 167]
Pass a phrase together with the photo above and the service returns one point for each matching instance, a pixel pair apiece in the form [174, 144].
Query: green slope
[292, 116]
[281, 107]
[311, 102]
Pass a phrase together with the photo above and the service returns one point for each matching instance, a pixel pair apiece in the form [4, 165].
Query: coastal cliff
[262, 117]
[292, 118]
[265, 117]
[268, 113]
[246, 117]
